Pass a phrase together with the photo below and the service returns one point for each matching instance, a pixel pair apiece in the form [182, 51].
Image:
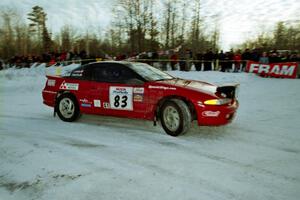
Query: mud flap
[155, 121]
[54, 108]
[54, 112]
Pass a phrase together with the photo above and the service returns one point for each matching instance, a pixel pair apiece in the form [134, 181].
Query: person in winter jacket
[198, 63]
[188, 57]
[246, 55]
[237, 57]
[208, 58]
[221, 58]
[182, 63]
[174, 60]
[264, 58]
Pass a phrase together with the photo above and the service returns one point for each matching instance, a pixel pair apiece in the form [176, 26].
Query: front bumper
[216, 115]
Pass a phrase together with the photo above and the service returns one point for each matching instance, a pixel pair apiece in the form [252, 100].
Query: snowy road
[255, 157]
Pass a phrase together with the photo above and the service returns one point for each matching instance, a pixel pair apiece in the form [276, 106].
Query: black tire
[65, 114]
[181, 118]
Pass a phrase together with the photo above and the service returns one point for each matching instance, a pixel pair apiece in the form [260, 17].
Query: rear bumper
[216, 115]
[49, 97]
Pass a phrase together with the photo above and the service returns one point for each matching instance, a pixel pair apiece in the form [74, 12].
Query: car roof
[116, 62]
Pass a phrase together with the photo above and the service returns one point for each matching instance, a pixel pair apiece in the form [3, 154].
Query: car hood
[192, 85]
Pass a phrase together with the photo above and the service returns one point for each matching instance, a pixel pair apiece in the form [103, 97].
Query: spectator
[237, 57]
[188, 57]
[221, 57]
[52, 61]
[264, 59]
[254, 55]
[245, 57]
[155, 58]
[174, 60]
[273, 57]
[198, 62]
[164, 63]
[63, 56]
[83, 57]
[182, 63]
[208, 59]
[227, 64]
[121, 57]
[293, 57]
[285, 56]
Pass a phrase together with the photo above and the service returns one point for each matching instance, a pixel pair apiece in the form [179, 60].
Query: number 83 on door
[120, 98]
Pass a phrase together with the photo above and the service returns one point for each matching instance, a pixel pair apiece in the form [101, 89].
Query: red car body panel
[95, 98]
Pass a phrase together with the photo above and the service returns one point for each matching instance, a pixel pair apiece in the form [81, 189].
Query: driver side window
[113, 73]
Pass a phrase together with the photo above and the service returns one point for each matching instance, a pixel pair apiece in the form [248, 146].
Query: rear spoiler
[53, 76]
[228, 90]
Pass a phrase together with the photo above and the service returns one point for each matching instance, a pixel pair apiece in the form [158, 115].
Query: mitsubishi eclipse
[138, 90]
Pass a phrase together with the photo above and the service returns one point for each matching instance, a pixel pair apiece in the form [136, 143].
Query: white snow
[255, 157]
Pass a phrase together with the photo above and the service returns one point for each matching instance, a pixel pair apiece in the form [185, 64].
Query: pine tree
[38, 25]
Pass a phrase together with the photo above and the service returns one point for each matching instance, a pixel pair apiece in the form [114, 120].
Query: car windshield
[150, 73]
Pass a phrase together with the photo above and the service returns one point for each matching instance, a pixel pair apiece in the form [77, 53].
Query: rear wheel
[67, 108]
[175, 117]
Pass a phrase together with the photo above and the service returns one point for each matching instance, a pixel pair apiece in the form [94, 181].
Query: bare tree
[183, 21]
[153, 30]
[195, 27]
[284, 37]
[7, 34]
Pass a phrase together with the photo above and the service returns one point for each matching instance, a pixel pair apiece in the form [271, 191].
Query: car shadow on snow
[137, 126]
[124, 125]
[209, 132]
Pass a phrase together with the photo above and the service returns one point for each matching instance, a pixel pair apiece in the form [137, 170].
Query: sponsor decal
[106, 105]
[210, 113]
[97, 103]
[119, 90]
[86, 105]
[138, 97]
[69, 86]
[120, 98]
[51, 82]
[138, 90]
[279, 70]
[77, 73]
[161, 87]
[85, 101]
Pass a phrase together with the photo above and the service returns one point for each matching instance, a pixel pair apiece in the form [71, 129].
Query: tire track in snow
[122, 159]
[186, 147]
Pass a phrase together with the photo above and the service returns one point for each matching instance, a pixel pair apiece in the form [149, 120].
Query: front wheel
[175, 117]
[67, 108]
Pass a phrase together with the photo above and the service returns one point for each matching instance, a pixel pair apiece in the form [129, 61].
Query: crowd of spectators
[181, 59]
[51, 58]
[234, 61]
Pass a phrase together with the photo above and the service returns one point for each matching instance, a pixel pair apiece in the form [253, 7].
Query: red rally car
[138, 90]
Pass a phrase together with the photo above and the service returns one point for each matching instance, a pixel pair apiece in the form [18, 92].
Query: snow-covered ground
[255, 157]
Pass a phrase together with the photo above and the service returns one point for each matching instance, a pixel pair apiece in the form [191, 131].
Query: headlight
[217, 101]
